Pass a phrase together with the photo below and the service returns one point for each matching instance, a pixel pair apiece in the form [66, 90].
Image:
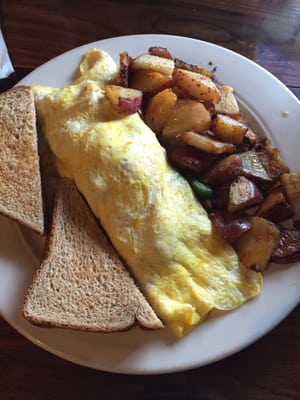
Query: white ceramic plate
[137, 351]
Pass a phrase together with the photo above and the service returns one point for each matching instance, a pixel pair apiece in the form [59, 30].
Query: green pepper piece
[202, 190]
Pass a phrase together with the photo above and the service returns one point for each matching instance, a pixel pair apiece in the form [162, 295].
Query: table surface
[35, 31]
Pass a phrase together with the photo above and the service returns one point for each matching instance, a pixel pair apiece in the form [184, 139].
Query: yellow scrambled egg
[148, 210]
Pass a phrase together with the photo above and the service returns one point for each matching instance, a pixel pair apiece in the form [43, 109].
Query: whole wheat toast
[20, 179]
[82, 284]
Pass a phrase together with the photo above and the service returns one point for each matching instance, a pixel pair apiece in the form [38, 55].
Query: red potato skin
[129, 105]
[231, 226]
[127, 101]
[224, 171]
[190, 158]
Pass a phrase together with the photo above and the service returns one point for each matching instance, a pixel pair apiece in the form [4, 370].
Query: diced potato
[186, 115]
[224, 170]
[254, 169]
[227, 103]
[228, 129]
[243, 193]
[288, 248]
[159, 109]
[126, 100]
[149, 82]
[205, 143]
[179, 92]
[271, 159]
[125, 61]
[275, 207]
[251, 138]
[190, 158]
[231, 226]
[160, 51]
[196, 85]
[291, 187]
[195, 68]
[254, 247]
[153, 63]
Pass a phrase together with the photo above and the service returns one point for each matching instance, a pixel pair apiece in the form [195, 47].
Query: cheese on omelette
[181, 263]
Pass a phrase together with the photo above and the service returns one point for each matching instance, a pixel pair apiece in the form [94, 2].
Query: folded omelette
[148, 210]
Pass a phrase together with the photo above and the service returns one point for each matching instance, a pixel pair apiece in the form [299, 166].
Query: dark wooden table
[266, 31]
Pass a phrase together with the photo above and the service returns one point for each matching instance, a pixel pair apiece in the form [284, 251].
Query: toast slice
[20, 182]
[82, 284]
